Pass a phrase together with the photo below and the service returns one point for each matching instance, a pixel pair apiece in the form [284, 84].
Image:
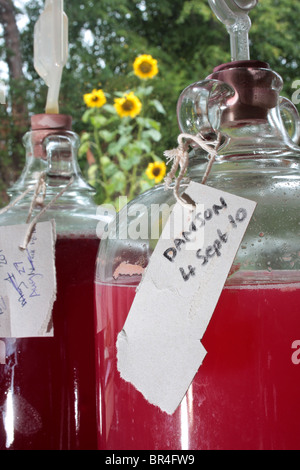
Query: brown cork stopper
[43, 125]
[256, 88]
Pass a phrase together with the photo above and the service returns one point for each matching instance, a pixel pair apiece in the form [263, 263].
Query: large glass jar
[245, 394]
[47, 384]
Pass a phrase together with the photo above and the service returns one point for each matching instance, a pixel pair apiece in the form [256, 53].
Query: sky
[21, 21]
[20, 4]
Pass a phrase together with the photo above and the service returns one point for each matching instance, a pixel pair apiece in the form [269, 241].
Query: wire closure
[37, 200]
[180, 158]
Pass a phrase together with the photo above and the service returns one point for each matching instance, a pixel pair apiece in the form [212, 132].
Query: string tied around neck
[38, 199]
[180, 158]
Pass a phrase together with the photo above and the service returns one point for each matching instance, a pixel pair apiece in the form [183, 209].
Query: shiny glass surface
[241, 397]
[47, 385]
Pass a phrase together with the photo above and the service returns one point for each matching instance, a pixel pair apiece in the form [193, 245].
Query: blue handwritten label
[3, 306]
[27, 281]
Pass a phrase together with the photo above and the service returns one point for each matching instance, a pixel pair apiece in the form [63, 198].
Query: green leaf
[144, 91]
[98, 121]
[120, 94]
[105, 160]
[107, 135]
[109, 108]
[92, 174]
[109, 167]
[144, 185]
[158, 106]
[85, 136]
[83, 148]
[116, 147]
[139, 146]
[152, 134]
[110, 189]
[118, 180]
[125, 126]
[148, 123]
[128, 162]
[87, 115]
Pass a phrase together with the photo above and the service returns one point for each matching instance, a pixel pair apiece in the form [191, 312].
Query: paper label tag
[2, 352]
[159, 349]
[27, 281]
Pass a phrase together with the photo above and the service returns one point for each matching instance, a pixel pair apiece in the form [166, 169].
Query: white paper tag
[27, 281]
[2, 352]
[159, 349]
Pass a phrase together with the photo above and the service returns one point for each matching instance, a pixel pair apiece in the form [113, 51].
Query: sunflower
[96, 99]
[145, 66]
[128, 105]
[156, 171]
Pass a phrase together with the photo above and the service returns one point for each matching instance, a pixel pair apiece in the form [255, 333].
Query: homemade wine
[47, 385]
[244, 396]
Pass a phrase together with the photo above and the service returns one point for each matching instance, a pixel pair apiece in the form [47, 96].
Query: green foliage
[275, 38]
[183, 35]
[121, 147]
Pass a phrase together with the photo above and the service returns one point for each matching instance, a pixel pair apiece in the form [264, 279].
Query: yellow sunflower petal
[156, 171]
[145, 66]
[95, 99]
[149, 171]
[128, 105]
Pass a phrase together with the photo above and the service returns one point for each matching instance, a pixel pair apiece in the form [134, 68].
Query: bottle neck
[260, 144]
[265, 138]
[51, 158]
[53, 152]
[251, 120]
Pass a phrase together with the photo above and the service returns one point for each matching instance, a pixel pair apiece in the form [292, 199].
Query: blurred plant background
[121, 154]
[120, 139]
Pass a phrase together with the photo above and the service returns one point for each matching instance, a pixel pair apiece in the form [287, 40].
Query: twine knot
[180, 158]
[38, 199]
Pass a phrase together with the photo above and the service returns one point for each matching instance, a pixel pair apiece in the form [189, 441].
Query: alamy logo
[296, 94]
[140, 222]
[296, 354]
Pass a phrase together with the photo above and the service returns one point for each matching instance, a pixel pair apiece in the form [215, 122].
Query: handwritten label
[159, 349]
[27, 281]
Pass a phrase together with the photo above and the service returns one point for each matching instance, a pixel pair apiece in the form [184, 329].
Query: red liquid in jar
[245, 396]
[47, 385]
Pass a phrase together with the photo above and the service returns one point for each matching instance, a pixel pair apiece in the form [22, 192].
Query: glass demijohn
[245, 394]
[47, 397]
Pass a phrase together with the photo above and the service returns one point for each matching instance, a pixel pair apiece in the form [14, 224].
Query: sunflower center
[128, 105]
[145, 67]
[95, 98]
[156, 171]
